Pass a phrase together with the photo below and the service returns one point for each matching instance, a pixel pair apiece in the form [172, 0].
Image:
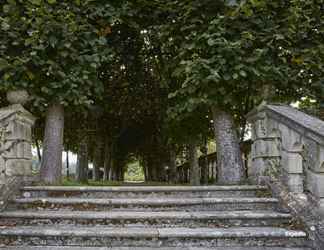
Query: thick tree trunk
[204, 165]
[173, 166]
[230, 168]
[98, 161]
[194, 165]
[51, 166]
[83, 162]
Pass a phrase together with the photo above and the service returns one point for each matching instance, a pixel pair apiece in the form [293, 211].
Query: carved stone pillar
[15, 139]
[266, 151]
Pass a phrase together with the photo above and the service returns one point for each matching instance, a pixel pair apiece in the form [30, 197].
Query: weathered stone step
[152, 237]
[150, 204]
[147, 219]
[149, 248]
[143, 191]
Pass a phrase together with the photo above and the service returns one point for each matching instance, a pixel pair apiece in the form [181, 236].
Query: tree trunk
[98, 161]
[82, 163]
[67, 165]
[204, 164]
[38, 151]
[107, 159]
[173, 166]
[230, 168]
[194, 165]
[51, 166]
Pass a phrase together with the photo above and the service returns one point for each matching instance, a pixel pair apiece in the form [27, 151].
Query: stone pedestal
[15, 142]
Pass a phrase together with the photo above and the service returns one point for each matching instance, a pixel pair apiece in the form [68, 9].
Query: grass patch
[72, 182]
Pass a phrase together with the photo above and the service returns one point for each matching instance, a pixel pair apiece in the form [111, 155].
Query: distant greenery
[73, 182]
[134, 172]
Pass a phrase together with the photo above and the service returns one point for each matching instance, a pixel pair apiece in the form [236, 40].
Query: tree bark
[107, 159]
[67, 165]
[83, 162]
[204, 164]
[194, 165]
[51, 166]
[173, 166]
[230, 168]
[98, 161]
[38, 151]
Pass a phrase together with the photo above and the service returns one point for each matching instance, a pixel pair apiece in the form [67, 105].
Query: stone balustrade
[183, 171]
[288, 143]
[288, 151]
[15, 147]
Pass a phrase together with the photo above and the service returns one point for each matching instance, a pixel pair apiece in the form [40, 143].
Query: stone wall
[288, 154]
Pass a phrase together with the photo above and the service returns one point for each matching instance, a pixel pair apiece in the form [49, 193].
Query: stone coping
[295, 119]
[8, 111]
[146, 201]
[108, 232]
[125, 215]
[145, 188]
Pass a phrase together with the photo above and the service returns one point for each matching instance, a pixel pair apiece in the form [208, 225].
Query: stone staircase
[147, 218]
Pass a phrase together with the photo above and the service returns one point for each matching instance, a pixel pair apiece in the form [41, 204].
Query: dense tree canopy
[144, 76]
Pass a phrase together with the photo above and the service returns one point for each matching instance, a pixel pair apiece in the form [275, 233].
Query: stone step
[152, 237]
[143, 191]
[148, 204]
[149, 248]
[147, 219]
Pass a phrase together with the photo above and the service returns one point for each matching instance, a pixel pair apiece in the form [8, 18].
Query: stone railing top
[6, 112]
[291, 117]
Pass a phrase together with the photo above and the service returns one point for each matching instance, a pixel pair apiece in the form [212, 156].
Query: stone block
[315, 183]
[321, 209]
[292, 162]
[289, 137]
[257, 169]
[260, 126]
[310, 153]
[2, 180]
[295, 183]
[266, 148]
[21, 150]
[2, 166]
[319, 166]
[18, 167]
[19, 131]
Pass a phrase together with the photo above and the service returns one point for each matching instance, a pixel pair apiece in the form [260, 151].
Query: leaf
[3, 64]
[36, 2]
[211, 42]
[51, 1]
[297, 60]
[30, 75]
[6, 8]
[6, 76]
[243, 73]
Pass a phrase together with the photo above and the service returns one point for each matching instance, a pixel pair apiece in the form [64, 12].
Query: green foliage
[155, 67]
[54, 49]
[234, 54]
[134, 172]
